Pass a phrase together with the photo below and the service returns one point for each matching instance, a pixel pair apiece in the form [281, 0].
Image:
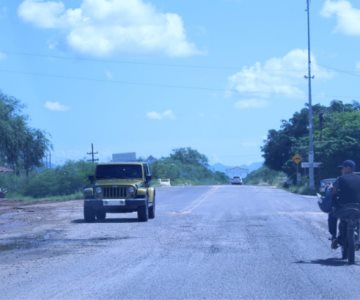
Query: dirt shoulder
[19, 218]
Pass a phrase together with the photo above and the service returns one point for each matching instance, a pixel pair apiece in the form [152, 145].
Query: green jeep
[120, 188]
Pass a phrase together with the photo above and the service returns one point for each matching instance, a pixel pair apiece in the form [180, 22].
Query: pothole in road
[214, 249]
[54, 241]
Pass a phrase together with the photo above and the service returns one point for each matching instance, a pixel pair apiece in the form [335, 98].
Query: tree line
[187, 166]
[22, 148]
[182, 166]
[336, 138]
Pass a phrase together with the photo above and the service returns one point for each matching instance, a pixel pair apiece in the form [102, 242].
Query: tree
[186, 165]
[340, 141]
[35, 145]
[21, 146]
[277, 149]
[63, 180]
[264, 175]
[336, 138]
[189, 156]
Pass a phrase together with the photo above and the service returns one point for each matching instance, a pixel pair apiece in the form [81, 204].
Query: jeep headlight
[88, 193]
[98, 192]
[131, 191]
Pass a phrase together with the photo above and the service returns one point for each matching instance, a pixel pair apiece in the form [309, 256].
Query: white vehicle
[325, 183]
[3, 192]
[236, 180]
[164, 181]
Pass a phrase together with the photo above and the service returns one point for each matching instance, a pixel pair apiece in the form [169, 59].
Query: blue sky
[151, 76]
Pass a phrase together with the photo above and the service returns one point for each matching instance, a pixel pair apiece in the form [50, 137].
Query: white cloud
[55, 106]
[348, 17]
[277, 76]
[42, 14]
[165, 115]
[357, 66]
[104, 27]
[251, 103]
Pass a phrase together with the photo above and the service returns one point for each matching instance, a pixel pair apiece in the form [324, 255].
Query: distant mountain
[255, 166]
[219, 168]
[231, 171]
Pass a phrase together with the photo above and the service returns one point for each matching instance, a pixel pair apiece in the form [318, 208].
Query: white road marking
[197, 202]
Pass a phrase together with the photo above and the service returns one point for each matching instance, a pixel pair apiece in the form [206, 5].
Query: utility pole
[47, 160]
[92, 153]
[309, 77]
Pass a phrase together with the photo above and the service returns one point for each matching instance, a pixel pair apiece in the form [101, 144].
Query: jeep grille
[114, 192]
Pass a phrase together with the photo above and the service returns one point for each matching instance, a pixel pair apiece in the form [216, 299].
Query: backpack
[325, 202]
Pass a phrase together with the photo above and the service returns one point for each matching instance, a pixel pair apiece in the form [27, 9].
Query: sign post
[297, 159]
[306, 165]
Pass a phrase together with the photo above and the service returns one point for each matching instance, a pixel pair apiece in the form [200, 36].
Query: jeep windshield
[118, 172]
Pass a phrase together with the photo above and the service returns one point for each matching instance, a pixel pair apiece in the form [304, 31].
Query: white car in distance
[164, 182]
[236, 180]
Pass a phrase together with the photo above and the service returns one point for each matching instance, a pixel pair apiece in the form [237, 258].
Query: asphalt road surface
[213, 242]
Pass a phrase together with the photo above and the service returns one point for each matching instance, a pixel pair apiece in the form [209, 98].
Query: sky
[152, 76]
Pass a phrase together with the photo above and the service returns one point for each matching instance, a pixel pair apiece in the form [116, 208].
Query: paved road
[216, 242]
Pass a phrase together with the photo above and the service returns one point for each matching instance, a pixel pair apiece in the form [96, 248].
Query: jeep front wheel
[152, 210]
[101, 215]
[89, 214]
[143, 213]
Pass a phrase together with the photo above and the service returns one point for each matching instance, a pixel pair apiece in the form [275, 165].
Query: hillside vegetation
[183, 166]
[187, 166]
[265, 176]
[336, 138]
[23, 149]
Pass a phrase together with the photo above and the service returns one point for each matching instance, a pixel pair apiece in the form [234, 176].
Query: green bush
[64, 180]
[187, 167]
[302, 189]
[184, 167]
[12, 183]
[265, 176]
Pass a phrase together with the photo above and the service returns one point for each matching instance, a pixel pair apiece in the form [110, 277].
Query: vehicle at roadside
[3, 192]
[120, 188]
[236, 180]
[325, 183]
[164, 182]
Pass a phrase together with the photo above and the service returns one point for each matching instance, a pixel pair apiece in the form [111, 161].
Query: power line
[158, 85]
[347, 72]
[67, 77]
[165, 65]
[130, 62]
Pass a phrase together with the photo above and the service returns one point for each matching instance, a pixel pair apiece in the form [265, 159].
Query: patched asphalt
[210, 242]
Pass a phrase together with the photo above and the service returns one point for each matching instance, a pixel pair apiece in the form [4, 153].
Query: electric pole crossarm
[92, 153]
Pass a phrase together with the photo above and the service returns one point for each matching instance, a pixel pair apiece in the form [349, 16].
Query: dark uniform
[347, 189]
